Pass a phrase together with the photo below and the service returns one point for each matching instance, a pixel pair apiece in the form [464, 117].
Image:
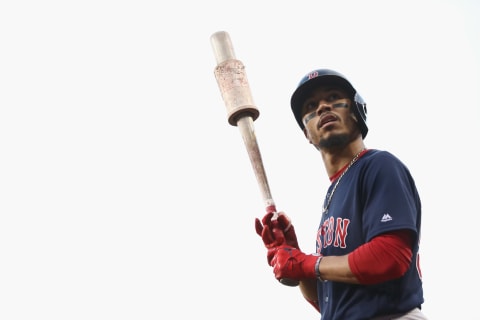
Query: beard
[334, 141]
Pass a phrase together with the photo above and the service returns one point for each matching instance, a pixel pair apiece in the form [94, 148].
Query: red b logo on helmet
[313, 75]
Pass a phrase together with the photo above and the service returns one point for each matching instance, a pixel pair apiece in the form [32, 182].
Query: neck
[337, 158]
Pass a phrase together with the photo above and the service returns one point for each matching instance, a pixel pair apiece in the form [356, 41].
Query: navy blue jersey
[376, 195]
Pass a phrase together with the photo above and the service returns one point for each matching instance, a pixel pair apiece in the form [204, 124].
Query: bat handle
[270, 207]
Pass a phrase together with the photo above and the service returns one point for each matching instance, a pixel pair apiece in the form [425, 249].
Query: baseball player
[366, 264]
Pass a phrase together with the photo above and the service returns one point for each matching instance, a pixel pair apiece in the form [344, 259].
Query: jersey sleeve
[391, 201]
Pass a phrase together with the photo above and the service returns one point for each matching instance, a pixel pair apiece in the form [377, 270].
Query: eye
[309, 106]
[334, 96]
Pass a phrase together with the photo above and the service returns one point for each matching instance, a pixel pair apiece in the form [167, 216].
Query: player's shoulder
[376, 154]
[381, 158]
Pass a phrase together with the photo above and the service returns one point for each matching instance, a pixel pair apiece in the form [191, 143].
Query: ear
[354, 117]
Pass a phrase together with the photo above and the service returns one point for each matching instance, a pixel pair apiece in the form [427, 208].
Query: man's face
[328, 119]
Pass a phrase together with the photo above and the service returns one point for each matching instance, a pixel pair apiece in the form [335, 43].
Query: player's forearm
[336, 268]
[384, 258]
[308, 287]
[309, 291]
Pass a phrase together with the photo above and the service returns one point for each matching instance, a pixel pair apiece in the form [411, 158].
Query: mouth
[325, 120]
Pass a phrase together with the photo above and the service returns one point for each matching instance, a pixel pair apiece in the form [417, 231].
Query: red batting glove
[291, 263]
[271, 237]
[285, 224]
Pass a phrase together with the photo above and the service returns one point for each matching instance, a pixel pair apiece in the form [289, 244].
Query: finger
[267, 237]
[276, 271]
[267, 218]
[278, 236]
[258, 226]
[271, 259]
[284, 221]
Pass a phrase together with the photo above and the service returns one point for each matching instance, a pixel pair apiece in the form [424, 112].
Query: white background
[125, 194]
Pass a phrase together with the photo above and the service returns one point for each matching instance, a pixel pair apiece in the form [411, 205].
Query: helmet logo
[312, 75]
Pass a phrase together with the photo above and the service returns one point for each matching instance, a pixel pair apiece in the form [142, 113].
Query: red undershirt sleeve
[385, 257]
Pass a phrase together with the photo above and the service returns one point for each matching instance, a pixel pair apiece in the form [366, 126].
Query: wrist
[317, 268]
[310, 266]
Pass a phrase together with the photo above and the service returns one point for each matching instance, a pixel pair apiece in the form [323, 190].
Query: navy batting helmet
[321, 77]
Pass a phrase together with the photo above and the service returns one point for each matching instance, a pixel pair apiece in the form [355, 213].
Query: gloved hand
[291, 263]
[271, 237]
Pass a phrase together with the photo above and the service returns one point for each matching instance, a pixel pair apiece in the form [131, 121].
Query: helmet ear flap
[360, 111]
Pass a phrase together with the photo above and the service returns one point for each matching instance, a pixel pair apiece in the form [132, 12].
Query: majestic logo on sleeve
[386, 217]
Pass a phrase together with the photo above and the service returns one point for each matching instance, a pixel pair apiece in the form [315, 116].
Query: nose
[323, 106]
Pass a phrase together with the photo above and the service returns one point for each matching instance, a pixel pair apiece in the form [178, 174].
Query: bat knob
[289, 282]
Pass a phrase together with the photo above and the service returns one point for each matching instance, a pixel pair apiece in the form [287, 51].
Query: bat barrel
[222, 47]
[232, 80]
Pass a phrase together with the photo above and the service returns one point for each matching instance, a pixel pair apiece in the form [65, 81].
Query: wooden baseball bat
[235, 89]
